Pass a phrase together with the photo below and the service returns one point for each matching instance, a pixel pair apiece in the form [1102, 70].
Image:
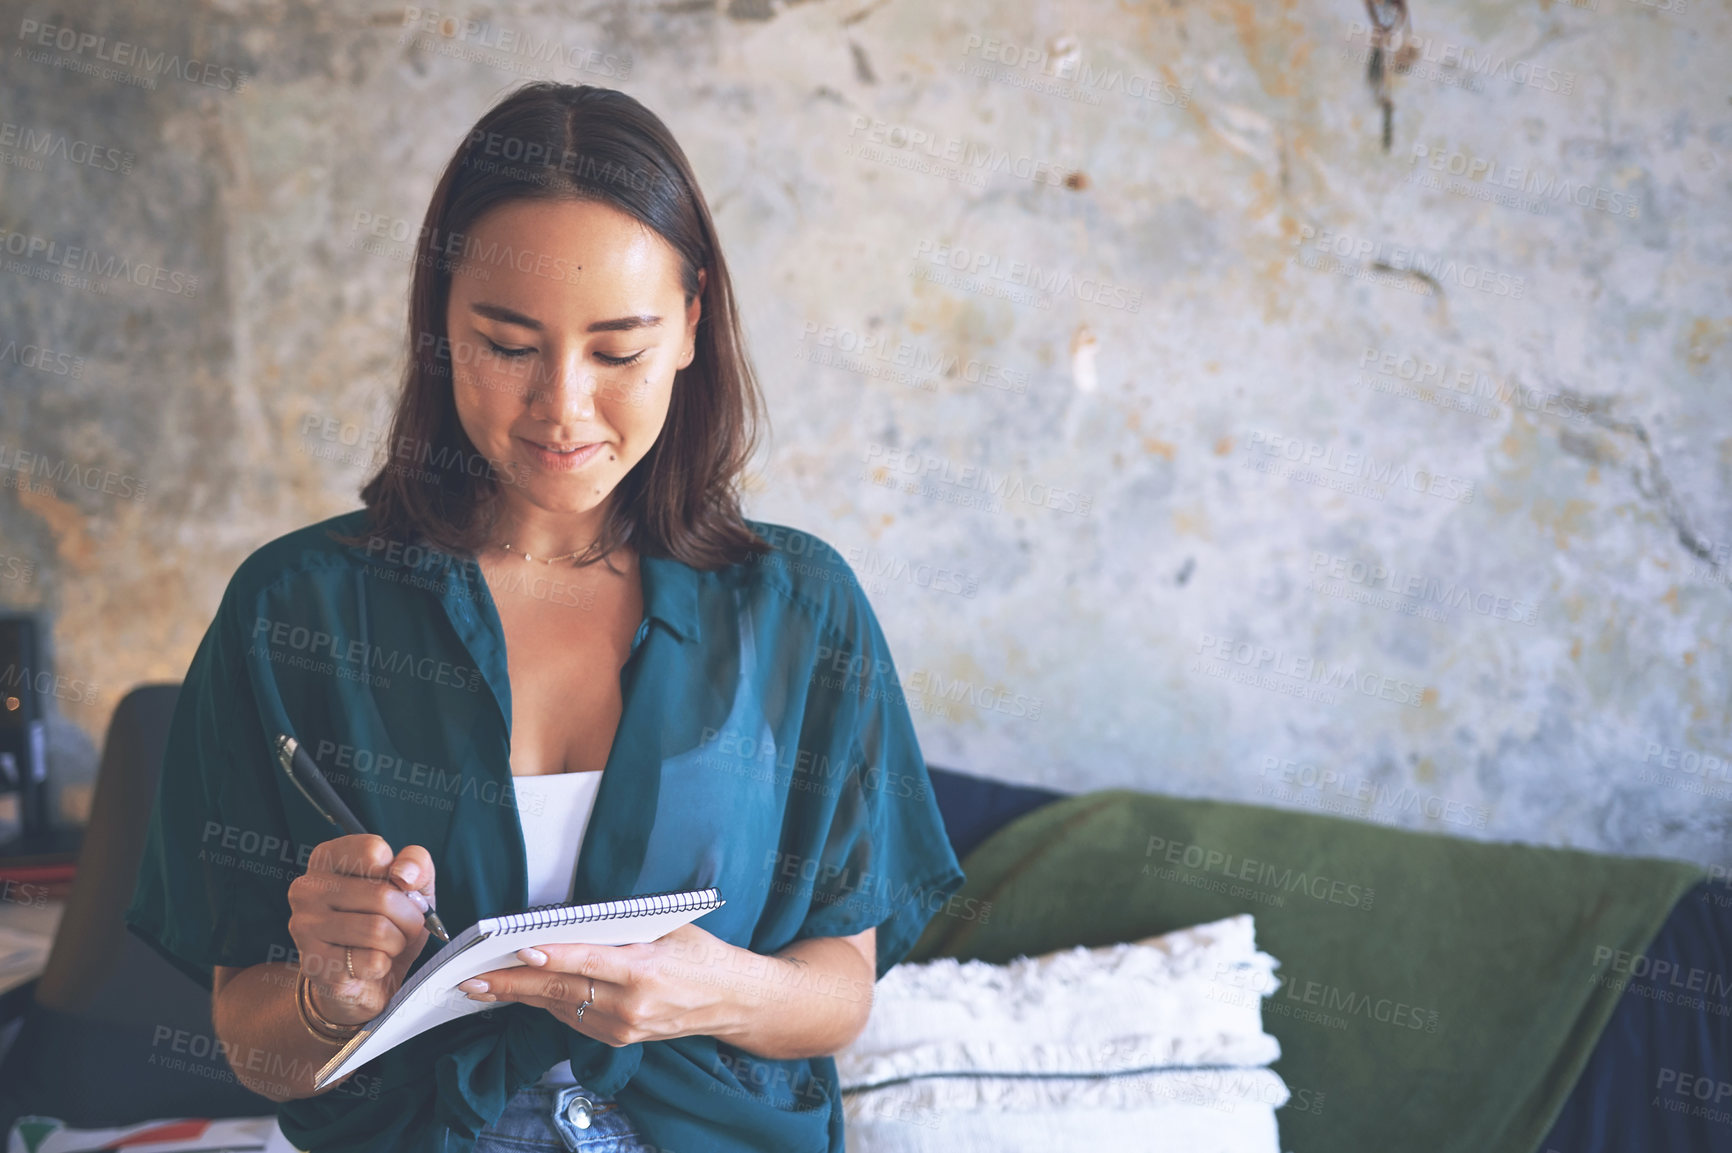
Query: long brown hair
[549, 141]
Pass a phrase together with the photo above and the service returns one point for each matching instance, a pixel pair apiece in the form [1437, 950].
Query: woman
[548, 661]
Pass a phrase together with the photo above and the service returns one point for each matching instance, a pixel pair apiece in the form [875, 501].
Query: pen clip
[286, 746]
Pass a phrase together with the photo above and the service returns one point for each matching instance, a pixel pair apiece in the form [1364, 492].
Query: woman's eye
[507, 353]
[620, 360]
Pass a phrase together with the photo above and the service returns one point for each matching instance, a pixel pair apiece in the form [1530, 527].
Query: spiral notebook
[430, 997]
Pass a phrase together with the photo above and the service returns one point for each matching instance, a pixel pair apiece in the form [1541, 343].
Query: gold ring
[349, 962]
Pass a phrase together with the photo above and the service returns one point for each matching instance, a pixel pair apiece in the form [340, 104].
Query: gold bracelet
[330, 1032]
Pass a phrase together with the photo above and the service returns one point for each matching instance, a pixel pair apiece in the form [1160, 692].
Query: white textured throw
[1169, 1129]
[1148, 1045]
[926, 1100]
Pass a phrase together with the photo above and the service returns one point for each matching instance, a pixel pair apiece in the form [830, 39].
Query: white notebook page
[431, 996]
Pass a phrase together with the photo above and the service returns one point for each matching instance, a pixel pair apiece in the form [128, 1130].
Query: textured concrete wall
[1185, 438]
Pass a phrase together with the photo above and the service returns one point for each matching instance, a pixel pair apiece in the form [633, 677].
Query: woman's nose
[563, 391]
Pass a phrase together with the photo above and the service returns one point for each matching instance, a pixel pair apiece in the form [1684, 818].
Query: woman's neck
[536, 532]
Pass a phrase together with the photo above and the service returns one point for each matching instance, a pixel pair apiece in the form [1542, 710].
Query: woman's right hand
[347, 897]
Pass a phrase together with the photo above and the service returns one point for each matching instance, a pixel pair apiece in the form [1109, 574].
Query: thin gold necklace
[544, 559]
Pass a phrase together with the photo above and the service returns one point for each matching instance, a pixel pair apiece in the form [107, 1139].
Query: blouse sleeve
[885, 861]
[218, 858]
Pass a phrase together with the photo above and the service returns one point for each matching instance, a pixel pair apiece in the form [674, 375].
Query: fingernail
[533, 956]
[416, 899]
[474, 985]
[410, 874]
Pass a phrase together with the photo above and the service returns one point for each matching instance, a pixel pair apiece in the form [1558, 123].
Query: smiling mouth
[562, 457]
[562, 450]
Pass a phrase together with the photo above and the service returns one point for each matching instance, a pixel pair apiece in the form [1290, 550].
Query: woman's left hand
[673, 987]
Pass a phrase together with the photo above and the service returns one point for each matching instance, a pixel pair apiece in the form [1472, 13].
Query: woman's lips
[549, 459]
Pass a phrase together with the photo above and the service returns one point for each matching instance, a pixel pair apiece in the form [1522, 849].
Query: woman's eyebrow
[512, 316]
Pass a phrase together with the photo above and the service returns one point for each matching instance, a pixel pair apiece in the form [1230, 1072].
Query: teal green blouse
[764, 748]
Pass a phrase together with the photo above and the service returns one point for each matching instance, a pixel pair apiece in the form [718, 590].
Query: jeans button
[577, 1111]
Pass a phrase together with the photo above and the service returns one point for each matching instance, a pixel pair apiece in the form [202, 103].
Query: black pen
[301, 769]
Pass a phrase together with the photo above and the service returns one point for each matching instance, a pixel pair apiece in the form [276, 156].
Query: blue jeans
[548, 1117]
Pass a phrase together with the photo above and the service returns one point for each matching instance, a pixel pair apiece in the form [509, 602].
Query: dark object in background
[974, 808]
[1660, 1076]
[24, 732]
[115, 1034]
[41, 851]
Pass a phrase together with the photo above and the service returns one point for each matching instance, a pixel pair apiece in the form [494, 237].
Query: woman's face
[567, 323]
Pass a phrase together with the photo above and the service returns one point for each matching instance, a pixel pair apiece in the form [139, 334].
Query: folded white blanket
[1153, 1045]
[1155, 1003]
[928, 1100]
[1176, 1128]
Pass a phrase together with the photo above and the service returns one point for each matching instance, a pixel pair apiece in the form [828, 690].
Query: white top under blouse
[554, 810]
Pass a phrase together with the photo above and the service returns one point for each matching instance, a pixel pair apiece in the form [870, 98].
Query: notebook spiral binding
[541, 916]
